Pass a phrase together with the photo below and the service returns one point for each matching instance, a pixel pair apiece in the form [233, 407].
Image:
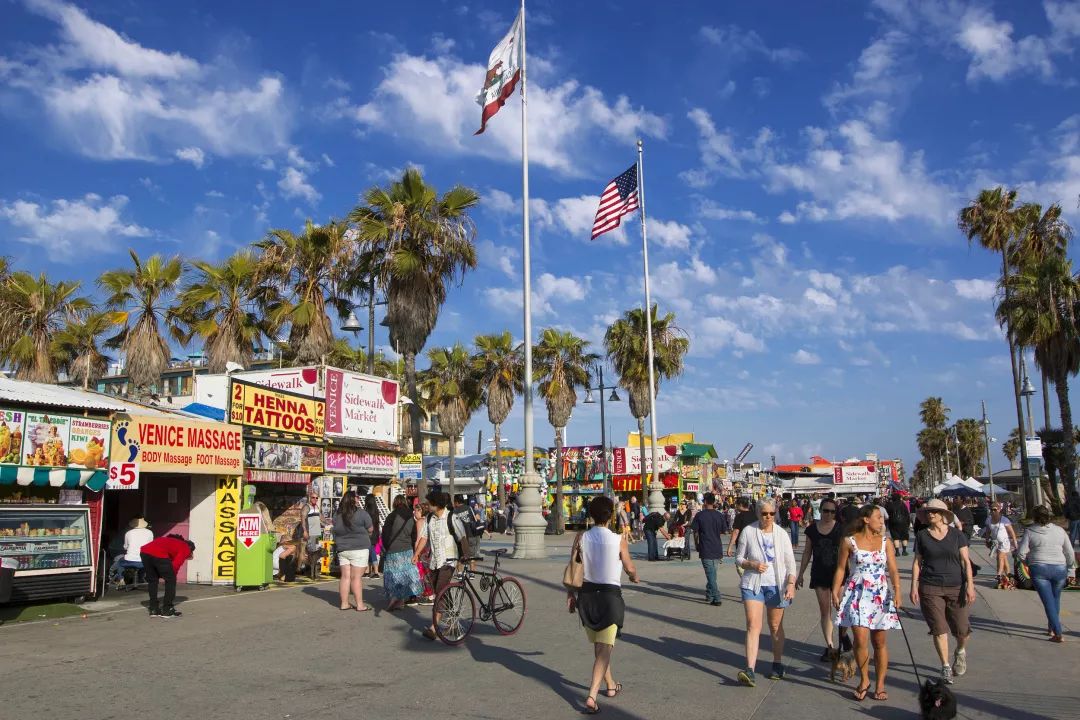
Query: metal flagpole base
[529, 524]
[656, 497]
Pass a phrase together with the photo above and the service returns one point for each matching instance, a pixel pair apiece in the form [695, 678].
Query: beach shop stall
[54, 449]
[182, 474]
[694, 469]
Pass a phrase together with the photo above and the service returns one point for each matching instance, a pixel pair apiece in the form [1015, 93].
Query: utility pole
[986, 440]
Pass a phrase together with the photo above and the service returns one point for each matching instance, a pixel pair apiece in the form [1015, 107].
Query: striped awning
[52, 477]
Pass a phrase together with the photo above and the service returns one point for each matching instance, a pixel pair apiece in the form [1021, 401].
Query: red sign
[248, 529]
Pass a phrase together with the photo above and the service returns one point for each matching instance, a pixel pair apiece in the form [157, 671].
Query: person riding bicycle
[442, 532]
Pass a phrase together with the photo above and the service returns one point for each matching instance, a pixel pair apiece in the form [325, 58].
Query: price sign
[248, 529]
[123, 476]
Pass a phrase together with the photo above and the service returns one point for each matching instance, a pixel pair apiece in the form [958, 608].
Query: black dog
[937, 701]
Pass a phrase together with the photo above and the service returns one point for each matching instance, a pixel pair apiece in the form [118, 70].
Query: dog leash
[914, 667]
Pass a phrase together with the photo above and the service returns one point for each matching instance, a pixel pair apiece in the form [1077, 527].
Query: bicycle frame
[466, 577]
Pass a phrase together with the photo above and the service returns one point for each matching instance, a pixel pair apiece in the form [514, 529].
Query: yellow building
[677, 439]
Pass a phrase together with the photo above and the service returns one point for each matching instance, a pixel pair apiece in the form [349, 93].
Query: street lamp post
[986, 440]
[608, 490]
[352, 325]
[1033, 496]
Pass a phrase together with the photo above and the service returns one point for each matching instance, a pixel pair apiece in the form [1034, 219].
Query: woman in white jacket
[765, 555]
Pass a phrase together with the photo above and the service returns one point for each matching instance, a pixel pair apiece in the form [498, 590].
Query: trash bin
[7, 578]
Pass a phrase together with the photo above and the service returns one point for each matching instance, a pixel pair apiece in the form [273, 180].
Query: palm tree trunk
[1029, 487]
[371, 327]
[498, 468]
[414, 417]
[641, 447]
[1068, 469]
[1048, 423]
[453, 444]
[560, 521]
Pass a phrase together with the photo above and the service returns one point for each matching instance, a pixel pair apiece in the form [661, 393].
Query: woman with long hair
[1050, 556]
[352, 537]
[766, 557]
[401, 579]
[372, 509]
[599, 602]
[823, 540]
[867, 606]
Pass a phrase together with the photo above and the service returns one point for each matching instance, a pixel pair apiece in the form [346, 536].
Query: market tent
[698, 450]
[206, 411]
[960, 490]
[52, 477]
[998, 490]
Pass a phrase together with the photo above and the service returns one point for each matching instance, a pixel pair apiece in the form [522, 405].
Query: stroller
[677, 547]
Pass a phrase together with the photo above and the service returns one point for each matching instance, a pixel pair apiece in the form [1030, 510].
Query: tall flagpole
[529, 524]
[656, 496]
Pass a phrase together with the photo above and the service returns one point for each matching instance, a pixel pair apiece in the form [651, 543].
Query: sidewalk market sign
[271, 414]
[149, 443]
[361, 407]
[627, 460]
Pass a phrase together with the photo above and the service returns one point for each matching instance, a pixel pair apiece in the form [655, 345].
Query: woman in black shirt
[821, 553]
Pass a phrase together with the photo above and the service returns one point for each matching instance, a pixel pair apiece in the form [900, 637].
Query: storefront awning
[206, 411]
[52, 477]
[277, 476]
[632, 483]
[698, 450]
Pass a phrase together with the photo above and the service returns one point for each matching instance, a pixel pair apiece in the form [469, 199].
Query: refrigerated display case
[51, 546]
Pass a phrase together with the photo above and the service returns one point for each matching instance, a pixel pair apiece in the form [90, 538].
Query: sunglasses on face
[767, 514]
[827, 510]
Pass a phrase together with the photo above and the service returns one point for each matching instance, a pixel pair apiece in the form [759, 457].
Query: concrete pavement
[290, 653]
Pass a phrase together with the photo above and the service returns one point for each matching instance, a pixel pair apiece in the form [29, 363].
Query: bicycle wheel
[507, 605]
[456, 612]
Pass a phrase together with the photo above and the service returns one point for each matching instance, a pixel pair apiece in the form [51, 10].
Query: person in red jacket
[162, 559]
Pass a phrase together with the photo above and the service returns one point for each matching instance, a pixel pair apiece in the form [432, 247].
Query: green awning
[698, 450]
[52, 477]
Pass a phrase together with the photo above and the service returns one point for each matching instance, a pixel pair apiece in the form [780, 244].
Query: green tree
[78, 347]
[308, 270]
[626, 345]
[932, 438]
[971, 446]
[453, 393]
[562, 365]
[415, 242]
[34, 310]
[227, 306]
[343, 355]
[140, 299]
[1011, 447]
[500, 368]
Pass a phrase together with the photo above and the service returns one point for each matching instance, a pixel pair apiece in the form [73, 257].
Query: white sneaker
[960, 663]
[947, 675]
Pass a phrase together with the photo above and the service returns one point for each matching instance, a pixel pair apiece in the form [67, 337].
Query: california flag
[504, 69]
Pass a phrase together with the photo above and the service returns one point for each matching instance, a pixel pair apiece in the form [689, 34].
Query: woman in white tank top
[604, 555]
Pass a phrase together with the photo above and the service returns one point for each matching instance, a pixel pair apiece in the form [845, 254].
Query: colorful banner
[855, 475]
[361, 406]
[12, 426]
[46, 441]
[89, 443]
[264, 455]
[361, 462]
[276, 414]
[228, 507]
[165, 444]
[627, 460]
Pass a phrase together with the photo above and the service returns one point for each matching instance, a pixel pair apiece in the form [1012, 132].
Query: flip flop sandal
[591, 710]
[860, 693]
[612, 692]
[881, 696]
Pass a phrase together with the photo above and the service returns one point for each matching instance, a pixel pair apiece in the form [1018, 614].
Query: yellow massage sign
[265, 412]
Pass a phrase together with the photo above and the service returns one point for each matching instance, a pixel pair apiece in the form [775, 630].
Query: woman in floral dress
[868, 606]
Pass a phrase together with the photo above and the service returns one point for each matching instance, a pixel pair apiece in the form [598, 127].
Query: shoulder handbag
[573, 576]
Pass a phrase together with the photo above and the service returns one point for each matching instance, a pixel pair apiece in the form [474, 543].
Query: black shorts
[899, 531]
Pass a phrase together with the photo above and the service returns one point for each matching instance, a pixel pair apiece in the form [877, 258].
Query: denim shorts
[768, 594]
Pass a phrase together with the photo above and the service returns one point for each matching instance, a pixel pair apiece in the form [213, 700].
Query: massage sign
[276, 414]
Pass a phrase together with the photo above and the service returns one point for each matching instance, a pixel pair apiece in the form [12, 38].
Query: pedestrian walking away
[1001, 539]
[768, 586]
[474, 529]
[442, 533]
[823, 540]
[1072, 514]
[352, 537]
[162, 559]
[743, 517]
[1049, 554]
[943, 587]
[372, 508]
[899, 524]
[707, 528]
[795, 517]
[866, 604]
[599, 602]
[401, 579]
[655, 522]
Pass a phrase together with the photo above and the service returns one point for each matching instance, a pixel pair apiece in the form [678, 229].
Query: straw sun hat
[938, 505]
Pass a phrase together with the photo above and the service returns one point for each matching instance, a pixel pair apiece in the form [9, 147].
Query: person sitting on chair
[138, 534]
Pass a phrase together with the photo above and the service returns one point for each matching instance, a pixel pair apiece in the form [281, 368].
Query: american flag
[620, 198]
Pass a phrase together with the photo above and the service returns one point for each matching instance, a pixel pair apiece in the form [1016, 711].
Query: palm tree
[416, 242]
[627, 348]
[1011, 447]
[500, 368]
[971, 447]
[227, 307]
[932, 438]
[77, 346]
[34, 310]
[309, 269]
[1039, 310]
[562, 365]
[992, 218]
[139, 298]
[453, 393]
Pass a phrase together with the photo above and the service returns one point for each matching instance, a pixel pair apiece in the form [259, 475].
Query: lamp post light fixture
[352, 325]
[589, 400]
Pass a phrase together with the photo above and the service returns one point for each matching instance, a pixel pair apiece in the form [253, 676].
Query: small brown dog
[843, 663]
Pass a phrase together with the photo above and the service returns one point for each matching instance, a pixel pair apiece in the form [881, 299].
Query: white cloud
[327, 160]
[877, 74]
[193, 155]
[89, 222]
[805, 357]
[668, 233]
[294, 157]
[975, 289]
[740, 44]
[547, 291]
[294, 184]
[711, 210]
[717, 150]
[431, 101]
[111, 98]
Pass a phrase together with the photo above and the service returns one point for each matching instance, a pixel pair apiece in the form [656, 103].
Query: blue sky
[804, 166]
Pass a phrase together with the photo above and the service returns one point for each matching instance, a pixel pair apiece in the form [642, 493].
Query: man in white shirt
[138, 534]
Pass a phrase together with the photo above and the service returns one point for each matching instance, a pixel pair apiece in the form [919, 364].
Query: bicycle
[455, 605]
